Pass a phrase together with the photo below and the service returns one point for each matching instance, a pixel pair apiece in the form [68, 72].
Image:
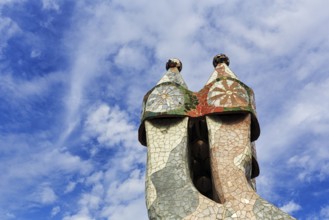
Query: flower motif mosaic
[227, 93]
[165, 98]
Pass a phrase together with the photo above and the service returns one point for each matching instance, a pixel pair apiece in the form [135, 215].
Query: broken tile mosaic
[201, 158]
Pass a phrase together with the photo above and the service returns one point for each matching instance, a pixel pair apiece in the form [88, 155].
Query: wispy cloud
[44, 195]
[72, 91]
[103, 120]
[50, 5]
[291, 207]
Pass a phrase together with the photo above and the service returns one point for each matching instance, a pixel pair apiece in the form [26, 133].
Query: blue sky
[73, 75]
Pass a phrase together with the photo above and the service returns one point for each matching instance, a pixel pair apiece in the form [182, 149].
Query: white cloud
[31, 163]
[4, 2]
[95, 178]
[26, 90]
[64, 161]
[8, 28]
[109, 196]
[35, 53]
[55, 211]
[48, 195]
[325, 212]
[38, 167]
[50, 5]
[304, 114]
[135, 209]
[127, 190]
[44, 195]
[111, 126]
[131, 57]
[121, 182]
[265, 185]
[4, 214]
[291, 207]
[70, 187]
[322, 214]
[80, 216]
[283, 60]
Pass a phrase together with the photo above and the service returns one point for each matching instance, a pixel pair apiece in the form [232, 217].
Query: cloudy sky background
[73, 75]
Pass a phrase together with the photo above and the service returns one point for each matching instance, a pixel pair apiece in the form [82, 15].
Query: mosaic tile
[172, 75]
[175, 195]
[165, 98]
[224, 94]
[201, 159]
[227, 93]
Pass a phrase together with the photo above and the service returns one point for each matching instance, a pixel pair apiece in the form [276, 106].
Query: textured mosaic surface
[201, 156]
[223, 93]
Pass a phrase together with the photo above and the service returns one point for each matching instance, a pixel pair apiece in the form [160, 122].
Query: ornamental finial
[173, 62]
[221, 58]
